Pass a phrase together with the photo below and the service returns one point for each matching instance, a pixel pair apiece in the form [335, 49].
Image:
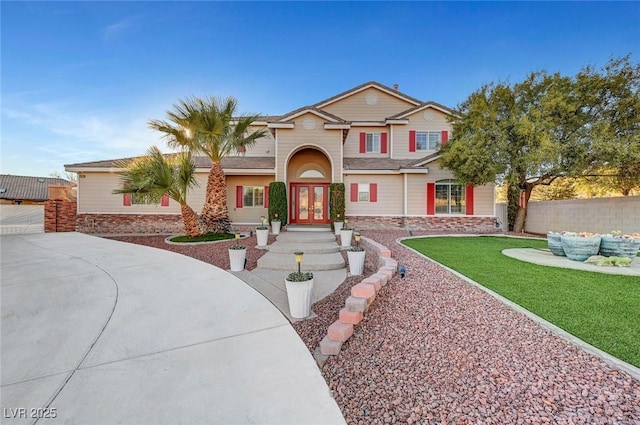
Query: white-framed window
[450, 197]
[253, 196]
[373, 143]
[363, 192]
[428, 140]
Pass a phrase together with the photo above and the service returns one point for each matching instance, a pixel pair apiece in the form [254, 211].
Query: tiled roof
[230, 162]
[385, 164]
[27, 187]
[375, 163]
[421, 106]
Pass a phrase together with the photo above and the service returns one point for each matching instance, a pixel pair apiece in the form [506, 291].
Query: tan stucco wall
[600, 215]
[291, 140]
[309, 159]
[94, 196]
[352, 144]
[390, 195]
[245, 214]
[417, 122]
[265, 146]
[355, 107]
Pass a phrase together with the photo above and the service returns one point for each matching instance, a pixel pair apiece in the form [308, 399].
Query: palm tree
[152, 176]
[208, 126]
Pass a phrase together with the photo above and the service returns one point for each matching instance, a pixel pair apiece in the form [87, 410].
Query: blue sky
[80, 80]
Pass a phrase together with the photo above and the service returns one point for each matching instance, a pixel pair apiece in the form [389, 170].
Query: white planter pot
[337, 226]
[263, 236]
[345, 237]
[275, 227]
[356, 262]
[236, 259]
[299, 295]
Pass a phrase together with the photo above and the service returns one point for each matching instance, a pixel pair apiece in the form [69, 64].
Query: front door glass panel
[318, 203]
[303, 202]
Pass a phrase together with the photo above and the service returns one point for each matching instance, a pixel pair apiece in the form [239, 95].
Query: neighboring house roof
[28, 187]
[236, 162]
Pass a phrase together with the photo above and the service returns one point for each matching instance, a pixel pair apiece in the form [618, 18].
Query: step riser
[305, 249]
[307, 268]
[300, 238]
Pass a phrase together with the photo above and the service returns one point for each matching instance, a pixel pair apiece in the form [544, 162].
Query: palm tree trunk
[190, 220]
[215, 214]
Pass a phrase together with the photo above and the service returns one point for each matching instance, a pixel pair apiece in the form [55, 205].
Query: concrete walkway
[321, 256]
[544, 257]
[106, 332]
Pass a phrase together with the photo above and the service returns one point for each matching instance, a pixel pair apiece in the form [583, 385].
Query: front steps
[321, 252]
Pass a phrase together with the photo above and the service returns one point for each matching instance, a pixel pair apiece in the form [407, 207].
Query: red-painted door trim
[325, 202]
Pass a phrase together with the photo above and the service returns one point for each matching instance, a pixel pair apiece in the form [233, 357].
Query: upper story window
[253, 196]
[428, 140]
[373, 143]
[450, 197]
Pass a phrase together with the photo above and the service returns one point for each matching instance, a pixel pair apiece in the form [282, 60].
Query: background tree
[521, 135]
[151, 177]
[209, 127]
[616, 123]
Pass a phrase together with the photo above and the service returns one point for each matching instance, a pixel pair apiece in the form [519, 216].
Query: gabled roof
[310, 109]
[425, 105]
[365, 86]
[28, 187]
[230, 162]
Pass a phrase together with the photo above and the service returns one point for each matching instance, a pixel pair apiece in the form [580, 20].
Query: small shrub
[278, 202]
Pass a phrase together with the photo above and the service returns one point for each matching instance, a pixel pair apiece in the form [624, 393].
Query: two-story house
[382, 144]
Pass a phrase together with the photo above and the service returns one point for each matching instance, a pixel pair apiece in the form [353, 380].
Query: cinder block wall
[598, 215]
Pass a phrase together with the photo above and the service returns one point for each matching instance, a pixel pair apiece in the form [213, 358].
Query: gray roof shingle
[231, 162]
[27, 187]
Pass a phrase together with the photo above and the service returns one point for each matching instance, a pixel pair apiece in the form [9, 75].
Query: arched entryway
[309, 176]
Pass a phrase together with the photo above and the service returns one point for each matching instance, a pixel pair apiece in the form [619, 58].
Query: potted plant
[277, 208]
[356, 256]
[580, 246]
[337, 225]
[336, 206]
[262, 233]
[618, 245]
[554, 241]
[299, 290]
[237, 255]
[275, 224]
[345, 234]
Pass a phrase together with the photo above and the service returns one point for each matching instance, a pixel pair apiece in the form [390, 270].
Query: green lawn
[601, 309]
[207, 237]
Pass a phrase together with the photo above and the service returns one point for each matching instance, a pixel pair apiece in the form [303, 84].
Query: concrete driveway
[103, 332]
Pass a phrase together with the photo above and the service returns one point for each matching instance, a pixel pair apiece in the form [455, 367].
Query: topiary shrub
[336, 202]
[278, 202]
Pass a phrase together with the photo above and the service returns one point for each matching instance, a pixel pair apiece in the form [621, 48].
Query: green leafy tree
[616, 123]
[152, 176]
[521, 135]
[209, 127]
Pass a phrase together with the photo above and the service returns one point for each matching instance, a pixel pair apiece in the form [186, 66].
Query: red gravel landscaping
[433, 349]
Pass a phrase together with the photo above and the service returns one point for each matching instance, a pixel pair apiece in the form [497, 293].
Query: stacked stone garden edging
[362, 296]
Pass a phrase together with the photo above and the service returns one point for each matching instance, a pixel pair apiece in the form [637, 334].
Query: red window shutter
[383, 142]
[469, 200]
[164, 202]
[373, 192]
[239, 196]
[431, 198]
[354, 192]
[126, 199]
[266, 196]
[412, 141]
[444, 137]
[363, 142]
